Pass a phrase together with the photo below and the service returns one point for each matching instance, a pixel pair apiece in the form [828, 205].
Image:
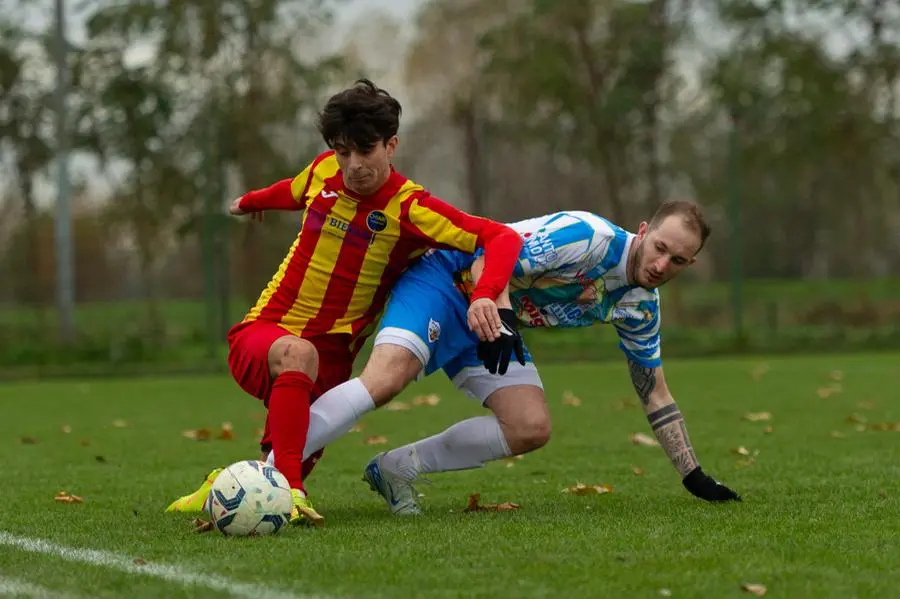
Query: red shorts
[248, 360]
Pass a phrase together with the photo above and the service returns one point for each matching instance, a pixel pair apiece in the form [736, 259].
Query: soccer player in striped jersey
[363, 224]
[575, 269]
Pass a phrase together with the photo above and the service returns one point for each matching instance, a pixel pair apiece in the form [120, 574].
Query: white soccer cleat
[399, 494]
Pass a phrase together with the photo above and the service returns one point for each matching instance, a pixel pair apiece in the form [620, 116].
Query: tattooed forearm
[643, 379]
[668, 425]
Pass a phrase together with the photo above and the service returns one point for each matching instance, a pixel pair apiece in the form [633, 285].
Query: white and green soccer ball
[249, 498]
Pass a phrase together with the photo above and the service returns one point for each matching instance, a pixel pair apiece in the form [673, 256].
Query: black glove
[706, 487]
[495, 355]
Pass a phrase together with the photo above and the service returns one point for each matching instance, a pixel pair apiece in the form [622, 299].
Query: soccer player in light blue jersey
[575, 269]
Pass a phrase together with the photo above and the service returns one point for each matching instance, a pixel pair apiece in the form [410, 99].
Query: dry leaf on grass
[856, 418]
[768, 430]
[201, 525]
[826, 392]
[427, 400]
[66, 497]
[28, 440]
[570, 399]
[397, 406]
[376, 440]
[754, 589]
[357, 428]
[745, 463]
[583, 489]
[84, 442]
[66, 429]
[838, 434]
[757, 416]
[866, 405]
[474, 505]
[741, 450]
[139, 561]
[119, 423]
[198, 434]
[227, 432]
[642, 439]
[624, 404]
[836, 376]
[884, 426]
[637, 471]
[758, 371]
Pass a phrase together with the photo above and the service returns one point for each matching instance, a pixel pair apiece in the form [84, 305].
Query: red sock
[289, 423]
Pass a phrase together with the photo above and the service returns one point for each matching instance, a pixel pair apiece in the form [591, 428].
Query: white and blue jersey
[571, 273]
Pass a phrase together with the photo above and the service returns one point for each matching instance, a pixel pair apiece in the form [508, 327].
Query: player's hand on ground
[706, 487]
[496, 354]
[236, 210]
[484, 319]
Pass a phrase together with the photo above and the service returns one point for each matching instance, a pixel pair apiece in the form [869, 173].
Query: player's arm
[287, 194]
[668, 425]
[440, 225]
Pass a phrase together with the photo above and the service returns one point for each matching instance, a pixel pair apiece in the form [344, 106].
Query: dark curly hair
[360, 117]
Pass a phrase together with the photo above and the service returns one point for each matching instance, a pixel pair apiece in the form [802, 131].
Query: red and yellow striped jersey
[351, 250]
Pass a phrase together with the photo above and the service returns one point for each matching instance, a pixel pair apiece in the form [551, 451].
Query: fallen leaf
[826, 392]
[860, 428]
[741, 450]
[28, 440]
[357, 428]
[745, 463]
[583, 489]
[84, 442]
[139, 561]
[202, 525]
[199, 434]
[474, 505]
[66, 429]
[397, 406]
[119, 423]
[757, 416]
[624, 404]
[768, 430]
[570, 399]
[65, 497]
[754, 589]
[227, 432]
[376, 440]
[642, 439]
[836, 375]
[857, 418]
[637, 471]
[759, 370]
[427, 400]
[838, 434]
[885, 426]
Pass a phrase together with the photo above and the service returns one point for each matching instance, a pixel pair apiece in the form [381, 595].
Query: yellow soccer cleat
[304, 514]
[196, 501]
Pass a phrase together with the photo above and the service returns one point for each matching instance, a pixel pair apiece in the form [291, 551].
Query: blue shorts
[426, 314]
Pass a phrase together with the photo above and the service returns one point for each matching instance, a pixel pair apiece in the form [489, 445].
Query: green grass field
[819, 516]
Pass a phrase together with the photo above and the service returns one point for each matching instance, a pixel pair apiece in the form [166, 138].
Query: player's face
[365, 170]
[664, 252]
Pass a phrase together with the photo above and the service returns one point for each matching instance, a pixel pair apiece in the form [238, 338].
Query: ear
[391, 145]
[642, 230]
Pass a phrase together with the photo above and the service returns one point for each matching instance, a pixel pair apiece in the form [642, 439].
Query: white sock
[467, 444]
[333, 415]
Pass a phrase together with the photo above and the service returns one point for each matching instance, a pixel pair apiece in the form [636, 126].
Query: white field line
[170, 573]
[10, 587]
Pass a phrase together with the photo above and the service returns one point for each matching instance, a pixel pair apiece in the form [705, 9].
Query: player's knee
[531, 432]
[389, 370]
[293, 354]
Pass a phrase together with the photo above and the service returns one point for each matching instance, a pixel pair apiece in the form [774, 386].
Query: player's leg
[520, 423]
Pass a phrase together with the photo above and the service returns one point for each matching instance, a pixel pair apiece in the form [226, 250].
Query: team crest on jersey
[434, 330]
[376, 221]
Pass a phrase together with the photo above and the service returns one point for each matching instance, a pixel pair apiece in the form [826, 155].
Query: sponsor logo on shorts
[434, 330]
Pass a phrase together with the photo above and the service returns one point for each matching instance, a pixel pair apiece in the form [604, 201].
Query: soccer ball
[249, 498]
